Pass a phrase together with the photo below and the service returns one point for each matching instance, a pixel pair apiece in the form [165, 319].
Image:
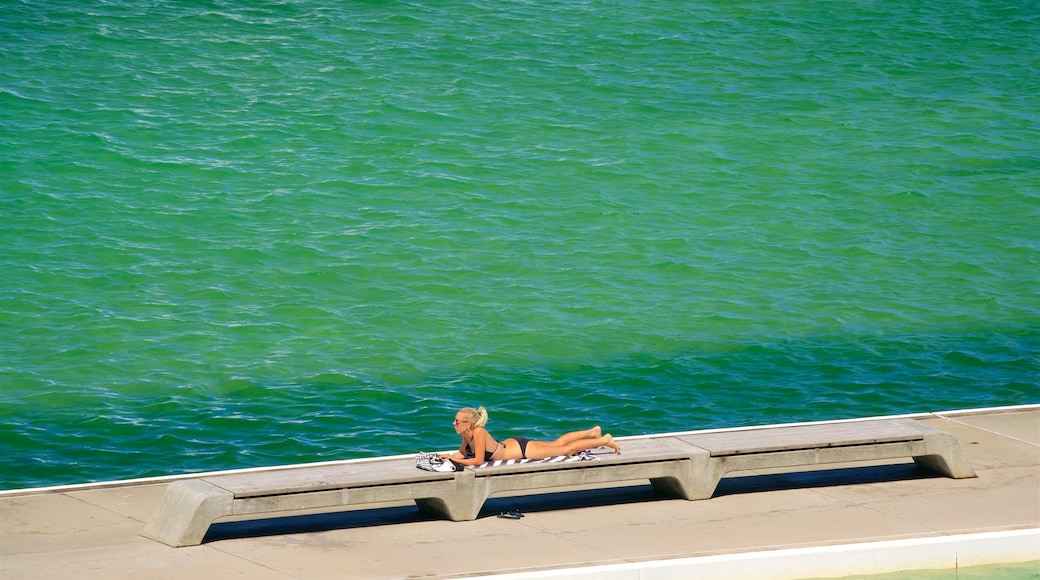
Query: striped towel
[583, 456]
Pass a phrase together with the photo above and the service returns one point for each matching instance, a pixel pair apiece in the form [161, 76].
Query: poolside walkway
[94, 531]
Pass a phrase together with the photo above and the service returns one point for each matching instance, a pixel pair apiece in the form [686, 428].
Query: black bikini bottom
[523, 445]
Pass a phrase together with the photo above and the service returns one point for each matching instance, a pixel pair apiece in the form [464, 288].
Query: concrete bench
[189, 506]
[822, 443]
[689, 466]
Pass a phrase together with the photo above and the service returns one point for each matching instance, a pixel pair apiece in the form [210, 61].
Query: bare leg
[544, 449]
[568, 438]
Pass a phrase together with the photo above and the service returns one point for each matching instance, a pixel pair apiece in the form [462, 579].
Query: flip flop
[515, 515]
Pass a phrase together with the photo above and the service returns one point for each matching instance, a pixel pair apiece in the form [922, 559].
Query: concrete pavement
[629, 531]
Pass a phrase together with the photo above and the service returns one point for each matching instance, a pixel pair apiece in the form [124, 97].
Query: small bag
[434, 462]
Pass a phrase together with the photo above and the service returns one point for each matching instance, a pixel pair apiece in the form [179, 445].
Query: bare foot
[593, 433]
[612, 444]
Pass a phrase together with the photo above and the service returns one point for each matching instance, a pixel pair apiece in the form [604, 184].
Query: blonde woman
[478, 446]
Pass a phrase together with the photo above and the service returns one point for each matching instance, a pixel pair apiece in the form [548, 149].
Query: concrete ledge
[691, 467]
[768, 523]
[938, 553]
[6, 493]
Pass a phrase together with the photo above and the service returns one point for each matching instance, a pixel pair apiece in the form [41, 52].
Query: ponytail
[478, 417]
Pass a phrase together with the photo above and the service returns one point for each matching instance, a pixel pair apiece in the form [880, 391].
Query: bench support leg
[461, 503]
[691, 479]
[685, 488]
[460, 510]
[944, 455]
[186, 511]
[702, 478]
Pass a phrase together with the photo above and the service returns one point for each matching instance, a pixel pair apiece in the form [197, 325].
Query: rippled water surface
[257, 233]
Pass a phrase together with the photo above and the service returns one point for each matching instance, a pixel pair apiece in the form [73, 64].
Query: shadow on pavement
[535, 503]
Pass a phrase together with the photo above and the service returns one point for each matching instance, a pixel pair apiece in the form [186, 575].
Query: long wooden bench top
[403, 470]
[325, 477]
[798, 437]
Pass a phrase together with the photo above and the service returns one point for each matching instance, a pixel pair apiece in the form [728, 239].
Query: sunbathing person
[478, 446]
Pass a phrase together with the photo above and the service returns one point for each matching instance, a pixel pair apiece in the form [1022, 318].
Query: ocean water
[268, 232]
[1013, 571]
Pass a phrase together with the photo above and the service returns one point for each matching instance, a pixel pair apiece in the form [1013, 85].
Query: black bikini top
[487, 454]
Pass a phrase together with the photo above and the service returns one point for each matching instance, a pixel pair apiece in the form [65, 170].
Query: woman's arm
[458, 455]
[469, 461]
[480, 437]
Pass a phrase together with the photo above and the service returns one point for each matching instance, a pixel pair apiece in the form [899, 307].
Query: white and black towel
[434, 462]
[583, 456]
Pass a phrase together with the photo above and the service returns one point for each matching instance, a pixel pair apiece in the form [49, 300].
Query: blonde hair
[478, 416]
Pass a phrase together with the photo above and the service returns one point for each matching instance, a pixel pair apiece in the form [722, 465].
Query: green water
[255, 233]
[1017, 571]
